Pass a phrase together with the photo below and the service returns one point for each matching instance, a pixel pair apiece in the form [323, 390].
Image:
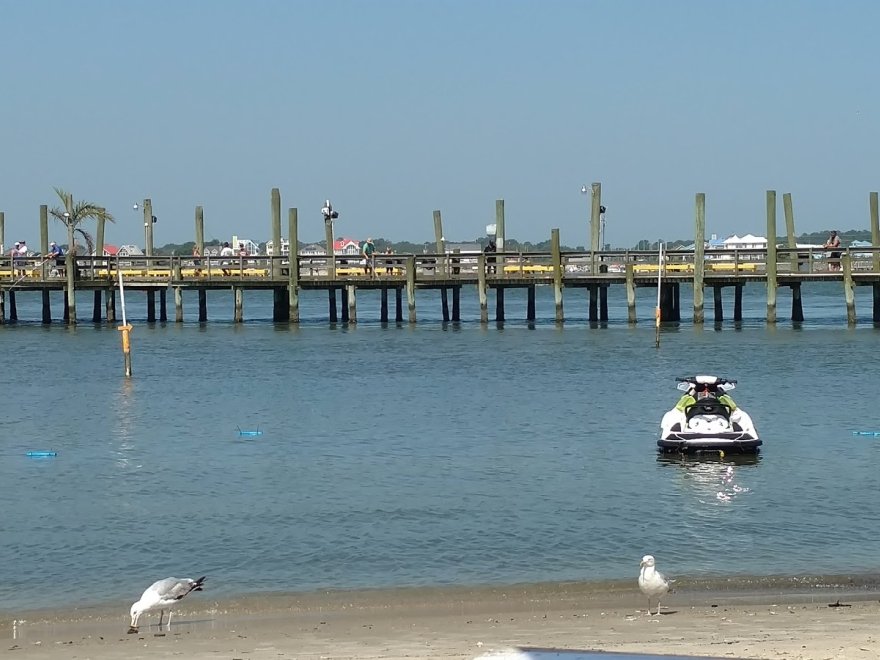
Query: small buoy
[249, 433]
[41, 454]
[873, 433]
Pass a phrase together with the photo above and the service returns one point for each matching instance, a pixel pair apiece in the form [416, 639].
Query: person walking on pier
[368, 251]
[227, 252]
[833, 242]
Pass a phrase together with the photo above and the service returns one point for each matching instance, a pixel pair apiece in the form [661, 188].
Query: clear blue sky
[395, 108]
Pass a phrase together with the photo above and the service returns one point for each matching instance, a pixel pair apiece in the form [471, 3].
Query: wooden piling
[481, 288]
[556, 263]
[331, 296]
[148, 228]
[148, 249]
[797, 303]
[595, 225]
[603, 303]
[383, 305]
[352, 303]
[875, 290]
[719, 305]
[99, 253]
[848, 288]
[738, 303]
[398, 304]
[13, 308]
[630, 294]
[178, 291]
[530, 302]
[163, 305]
[331, 252]
[70, 268]
[440, 266]
[200, 230]
[771, 256]
[444, 304]
[456, 304]
[275, 203]
[238, 310]
[411, 287]
[699, 265]
[110, 304]
[293, 267]
[343, 303]
[875, 230]
[499, 304]
[594, 303]
[203, 306]
[790, 237]
[499, 225]
[178, 304]
[2, 252]
[44, 250]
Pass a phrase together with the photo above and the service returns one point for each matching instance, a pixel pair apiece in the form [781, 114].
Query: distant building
[285, 247]
[346, 247]
[129, 251]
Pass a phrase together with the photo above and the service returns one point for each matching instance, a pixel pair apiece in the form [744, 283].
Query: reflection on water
[712, 478]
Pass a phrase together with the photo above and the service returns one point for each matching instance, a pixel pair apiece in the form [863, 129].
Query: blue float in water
[42, 454]
[249, 433]
[873, 433]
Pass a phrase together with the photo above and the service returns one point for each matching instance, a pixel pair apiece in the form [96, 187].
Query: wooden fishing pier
[400, 277]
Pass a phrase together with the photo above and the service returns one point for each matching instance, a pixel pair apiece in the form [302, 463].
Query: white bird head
[647, 560]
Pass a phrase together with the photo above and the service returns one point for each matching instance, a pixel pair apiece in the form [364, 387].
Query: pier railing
[613, 265]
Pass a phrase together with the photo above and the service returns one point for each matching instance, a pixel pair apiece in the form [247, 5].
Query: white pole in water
[125, 328]
[660, 267]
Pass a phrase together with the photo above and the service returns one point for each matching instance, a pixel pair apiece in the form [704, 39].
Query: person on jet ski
[701, 391]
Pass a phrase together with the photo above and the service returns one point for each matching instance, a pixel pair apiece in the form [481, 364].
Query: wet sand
[465, 623]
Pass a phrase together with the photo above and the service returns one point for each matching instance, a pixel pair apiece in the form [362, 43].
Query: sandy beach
[465, 623]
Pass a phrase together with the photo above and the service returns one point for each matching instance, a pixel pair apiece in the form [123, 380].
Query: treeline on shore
[513, 245]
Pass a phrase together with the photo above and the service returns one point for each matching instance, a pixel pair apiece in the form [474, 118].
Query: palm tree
[73, 215]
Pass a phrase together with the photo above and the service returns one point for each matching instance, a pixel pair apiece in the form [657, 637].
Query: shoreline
[802, 621]
[728, 587]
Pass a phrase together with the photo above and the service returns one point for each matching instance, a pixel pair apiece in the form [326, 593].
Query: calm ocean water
[426, 455]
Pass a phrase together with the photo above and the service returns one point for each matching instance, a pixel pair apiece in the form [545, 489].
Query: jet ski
[707, 424]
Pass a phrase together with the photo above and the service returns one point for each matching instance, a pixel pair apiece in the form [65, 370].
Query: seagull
[163, 595]
[652, 582]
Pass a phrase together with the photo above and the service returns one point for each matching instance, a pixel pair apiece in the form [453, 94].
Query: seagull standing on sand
[163, 595]
[652, 582]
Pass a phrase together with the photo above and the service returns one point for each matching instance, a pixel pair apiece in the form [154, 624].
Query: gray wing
[173, 588]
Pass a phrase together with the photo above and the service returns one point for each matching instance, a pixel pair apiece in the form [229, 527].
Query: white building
[285, 247]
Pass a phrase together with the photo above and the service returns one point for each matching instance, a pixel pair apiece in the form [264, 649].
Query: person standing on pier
[20, 252]
[491, 248]
[833, 242]
[197, 261]
[56, 254]
[368, 251]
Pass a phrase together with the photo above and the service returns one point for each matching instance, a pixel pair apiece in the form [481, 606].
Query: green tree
[73, 215]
